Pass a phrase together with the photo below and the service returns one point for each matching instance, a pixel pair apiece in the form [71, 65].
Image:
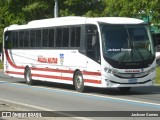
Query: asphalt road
[62, 98]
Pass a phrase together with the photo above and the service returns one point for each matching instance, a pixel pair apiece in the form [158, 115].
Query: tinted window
[13, 38]
[45, 38]
[158, 48]
[26, 38]
[7, 38]
[32, 38]
[75, 36]
[51, 37]
[78, 34]
[21, 38]
[38, 38]
[92, 39]
[59, 37]
[16, 42]
[65, 37]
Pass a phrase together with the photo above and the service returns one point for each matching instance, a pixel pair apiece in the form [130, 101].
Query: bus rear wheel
[28, 76]
[79, 82]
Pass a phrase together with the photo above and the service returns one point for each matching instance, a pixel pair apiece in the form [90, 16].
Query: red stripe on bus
[53, 70]
[10, 61]
[92, 81]
[67, 71]
[92, 73]
[53, 77]
[12, 72]
[48, 69]
[65, 78]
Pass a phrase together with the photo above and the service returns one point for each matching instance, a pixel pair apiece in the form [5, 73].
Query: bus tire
[79, 82]
[28, 76]
[124, 89]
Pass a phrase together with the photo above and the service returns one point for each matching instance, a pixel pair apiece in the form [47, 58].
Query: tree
[10, 13]
[133, 8]
[38, 9]
[90, 8]
[22, 11]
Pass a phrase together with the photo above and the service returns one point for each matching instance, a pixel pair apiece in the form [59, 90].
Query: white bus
[158, 55]
[157, 38]
[105, 52]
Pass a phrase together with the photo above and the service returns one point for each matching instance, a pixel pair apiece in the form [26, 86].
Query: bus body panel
[158, 54]
[60, 64]
[146, 77]
[52, 65]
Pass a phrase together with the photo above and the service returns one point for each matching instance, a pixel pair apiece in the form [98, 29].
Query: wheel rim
[79, 81]
[28, 76]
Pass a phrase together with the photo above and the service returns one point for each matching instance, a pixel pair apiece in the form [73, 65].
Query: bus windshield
[127, 43]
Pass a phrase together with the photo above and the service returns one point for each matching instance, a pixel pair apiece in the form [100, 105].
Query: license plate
[134, 80]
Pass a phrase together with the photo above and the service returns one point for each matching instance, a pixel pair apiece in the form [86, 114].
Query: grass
[157, 72]
[158, 75]
[1, 65]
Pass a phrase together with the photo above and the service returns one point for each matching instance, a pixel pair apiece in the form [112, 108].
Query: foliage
[133, 8]
[158, 75]
[82, 8]
[22, 11]
[1, 65]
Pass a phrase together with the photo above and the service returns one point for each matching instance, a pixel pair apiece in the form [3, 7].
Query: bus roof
[75, 20]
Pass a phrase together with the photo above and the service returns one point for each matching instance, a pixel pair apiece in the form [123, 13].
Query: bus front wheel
[28, 76]
[79, 82]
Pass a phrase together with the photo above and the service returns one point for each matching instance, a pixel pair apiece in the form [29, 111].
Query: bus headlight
[107, 70]
[113, 71]
[151, 70]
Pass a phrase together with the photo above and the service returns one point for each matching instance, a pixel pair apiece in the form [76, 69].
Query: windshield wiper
[139, 53]
[130, 44]
[123, 58]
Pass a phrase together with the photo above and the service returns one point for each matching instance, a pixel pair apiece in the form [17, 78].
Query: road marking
[91, 96]
[43, 109]
[1, 82]
[26, 105]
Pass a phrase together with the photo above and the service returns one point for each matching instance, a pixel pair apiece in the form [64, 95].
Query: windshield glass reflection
[127, 43]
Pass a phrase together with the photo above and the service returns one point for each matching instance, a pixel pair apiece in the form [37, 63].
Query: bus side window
[16, 40]
[75, 36]
[65, 40]
[8, 43]
[32, 38]
[58, 37]
[21, 38]
[93, 46]
[45, 37]
[26, 38]
[51, 37]
[38, 42]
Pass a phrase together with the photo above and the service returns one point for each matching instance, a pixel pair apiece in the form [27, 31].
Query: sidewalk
[7, 107]
[4, 107]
